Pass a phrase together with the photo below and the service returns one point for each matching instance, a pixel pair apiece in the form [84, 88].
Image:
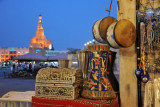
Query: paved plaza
[14, 84]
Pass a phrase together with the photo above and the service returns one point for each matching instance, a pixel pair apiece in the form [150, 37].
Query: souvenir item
[110, 75]
[58, 83]
[150, 33]
[96, 33]
[138, 72]
[98, 85]
[104, 24]
[148, 94]
[145, 77]
[142, 34]
[125, 33]
[83, 57]
[157, 13]
[63, 63]
[156, 92]
[149, 14]
[98, 47]
[140, 16]
[110, 37]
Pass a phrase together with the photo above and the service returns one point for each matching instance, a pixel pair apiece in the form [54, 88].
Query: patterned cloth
[81, 102]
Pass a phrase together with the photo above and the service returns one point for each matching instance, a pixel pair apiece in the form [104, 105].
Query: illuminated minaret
[40, 30]
[39, 42]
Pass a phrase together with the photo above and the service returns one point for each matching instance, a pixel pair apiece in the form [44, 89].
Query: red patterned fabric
[81, 102]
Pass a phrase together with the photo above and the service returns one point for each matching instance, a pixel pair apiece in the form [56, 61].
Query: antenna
[109, 8]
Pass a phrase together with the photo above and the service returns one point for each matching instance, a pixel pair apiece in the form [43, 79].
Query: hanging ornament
[140, 16]
[145, 77]
[149, 14]
[139, 73]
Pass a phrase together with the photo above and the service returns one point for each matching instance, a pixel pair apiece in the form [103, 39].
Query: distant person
[33, 65]
[25, 67]
[14, 67]
[30, 67]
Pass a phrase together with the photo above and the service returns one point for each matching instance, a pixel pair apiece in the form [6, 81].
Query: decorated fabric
[98, 85]
[81, 102]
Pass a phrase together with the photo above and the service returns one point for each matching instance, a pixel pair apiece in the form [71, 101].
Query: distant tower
[39, 43]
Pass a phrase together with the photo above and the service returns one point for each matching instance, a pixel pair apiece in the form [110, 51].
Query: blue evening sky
[67, 23]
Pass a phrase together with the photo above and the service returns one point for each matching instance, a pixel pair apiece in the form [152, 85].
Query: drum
[98, 47]
[110, 37]
[96, 33]
[104, 24]
[124, 33]
[98, 85]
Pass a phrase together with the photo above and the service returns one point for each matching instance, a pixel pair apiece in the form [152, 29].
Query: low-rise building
[10, 52]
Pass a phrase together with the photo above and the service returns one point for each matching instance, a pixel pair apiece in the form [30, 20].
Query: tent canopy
[58, 57]
[31, 57]
[63, 56]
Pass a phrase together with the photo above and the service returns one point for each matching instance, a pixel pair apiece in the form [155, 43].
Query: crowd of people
[28, 69]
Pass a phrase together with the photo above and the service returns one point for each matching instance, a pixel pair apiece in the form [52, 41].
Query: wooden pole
[138, 55]
[127, 58]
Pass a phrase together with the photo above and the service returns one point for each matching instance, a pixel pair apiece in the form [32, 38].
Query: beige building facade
[10, 52]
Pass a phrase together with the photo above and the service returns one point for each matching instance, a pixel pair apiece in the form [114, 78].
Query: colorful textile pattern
[81, 102]
[98, 85]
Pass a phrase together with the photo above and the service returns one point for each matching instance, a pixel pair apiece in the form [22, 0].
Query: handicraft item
[110, 36]
[148, 71]
[58, 83]
[148, 95]
[125, 33]
[104, 24]
[96, 34]
[63, 63]
[98, 85]
[83, 58]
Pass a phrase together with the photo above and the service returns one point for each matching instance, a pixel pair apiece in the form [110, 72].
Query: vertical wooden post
[127, 58]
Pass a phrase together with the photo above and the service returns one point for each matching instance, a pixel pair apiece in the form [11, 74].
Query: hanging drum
[110, 37]
[124, 33]
[97, 85]
[104, 24]
[96, 33]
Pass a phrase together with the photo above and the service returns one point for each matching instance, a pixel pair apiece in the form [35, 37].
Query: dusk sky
[67, 23]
